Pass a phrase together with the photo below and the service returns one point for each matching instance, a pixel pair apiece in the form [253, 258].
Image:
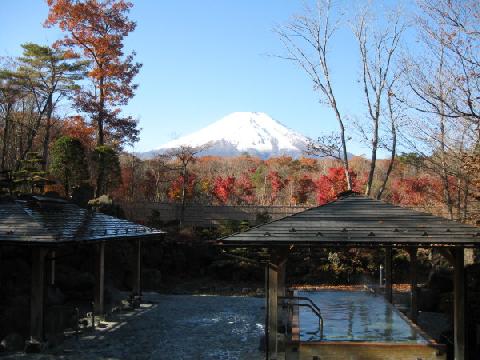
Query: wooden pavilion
[356, 221]
[46, 224]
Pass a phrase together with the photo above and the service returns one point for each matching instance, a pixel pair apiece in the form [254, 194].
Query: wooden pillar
[52, 268]
[413, 283]
[267, 285]
[283, 312]
[388, 275]
[459, 304]
[271, 311]
[37, 299]
[281, 278]
[98, 306]
[137, 270]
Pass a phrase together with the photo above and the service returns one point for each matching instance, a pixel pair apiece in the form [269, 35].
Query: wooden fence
[205, 215]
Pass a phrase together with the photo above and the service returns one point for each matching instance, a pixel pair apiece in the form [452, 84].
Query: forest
[64, 131]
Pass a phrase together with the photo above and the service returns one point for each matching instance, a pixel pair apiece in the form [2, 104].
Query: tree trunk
[465, 200]
[373, 162]
[101, 115]
[393, 153]
[66, 184]
[46, 139]
[387, 175]
[100, 140]
[182, 209]
[444, 170]
[446, 185]
[344, 148]
[6, 134]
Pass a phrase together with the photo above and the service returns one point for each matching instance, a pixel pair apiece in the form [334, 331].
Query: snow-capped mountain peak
[255, 133]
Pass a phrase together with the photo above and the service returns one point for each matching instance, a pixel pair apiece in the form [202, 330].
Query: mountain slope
[254, 133]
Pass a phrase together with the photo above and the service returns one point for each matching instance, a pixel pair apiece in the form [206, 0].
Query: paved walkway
[172, 327]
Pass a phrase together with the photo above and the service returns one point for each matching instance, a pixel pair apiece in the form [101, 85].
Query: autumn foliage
[77, 127]
[223, 188]
[334, 182]
[96, 30]
[416, 191]
[174, 192]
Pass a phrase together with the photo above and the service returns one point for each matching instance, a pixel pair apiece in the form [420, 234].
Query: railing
[310, 304]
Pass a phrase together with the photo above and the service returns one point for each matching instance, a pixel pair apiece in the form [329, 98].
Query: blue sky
[205, 59]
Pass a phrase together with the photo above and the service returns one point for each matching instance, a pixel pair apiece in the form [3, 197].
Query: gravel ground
[171, 327]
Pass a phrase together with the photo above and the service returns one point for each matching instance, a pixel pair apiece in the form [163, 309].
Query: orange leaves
[97, 29]
[76, 127]
[174, 193]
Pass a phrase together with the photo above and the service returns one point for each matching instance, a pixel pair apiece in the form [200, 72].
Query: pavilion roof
[357, 220]
[50, 222]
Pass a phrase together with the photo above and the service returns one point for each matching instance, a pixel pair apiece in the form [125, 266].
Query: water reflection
[355, 316]
[351, 314]
[388, 322]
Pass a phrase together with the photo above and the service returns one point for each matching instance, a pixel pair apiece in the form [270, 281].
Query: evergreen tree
[48, 75]
[30, 176]
[69, 164]
[105, 160]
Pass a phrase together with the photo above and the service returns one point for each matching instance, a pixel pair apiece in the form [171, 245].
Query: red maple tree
[277, 184]
[328, 186]
[416, 191]
[245, 190]
[223, 188]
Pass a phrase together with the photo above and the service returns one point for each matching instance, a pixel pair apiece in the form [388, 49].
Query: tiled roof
[357, 220]
[47, 221]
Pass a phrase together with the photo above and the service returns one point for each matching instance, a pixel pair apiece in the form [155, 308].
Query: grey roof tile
[357, 220]
[49, 221]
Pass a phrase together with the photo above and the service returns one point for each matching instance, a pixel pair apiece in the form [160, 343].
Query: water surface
[355, 316]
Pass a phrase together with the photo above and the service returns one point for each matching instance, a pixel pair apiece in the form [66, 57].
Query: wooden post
[98, 306]
[459, 304]
[281, 278]
[52, 268]
[272, 312]
[282, 291]
[267, 286]
[37, 301]
[413, 283]
[388, 275]
[137, 270]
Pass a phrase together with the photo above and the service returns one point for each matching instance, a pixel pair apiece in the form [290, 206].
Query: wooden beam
[388, 275]
[413, 283]
[272, 312]
[137, 270]
[37, 302]
[98, 305]
[459, 304]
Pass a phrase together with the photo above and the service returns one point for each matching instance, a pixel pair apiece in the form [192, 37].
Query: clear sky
[205, 59]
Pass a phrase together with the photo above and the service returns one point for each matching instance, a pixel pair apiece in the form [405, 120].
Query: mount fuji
[255, 133]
